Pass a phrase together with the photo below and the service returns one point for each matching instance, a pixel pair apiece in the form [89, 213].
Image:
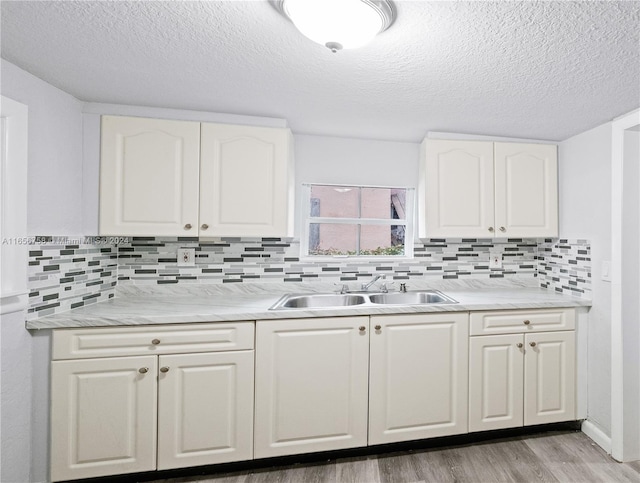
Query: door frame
[621, 409]
[13, 205]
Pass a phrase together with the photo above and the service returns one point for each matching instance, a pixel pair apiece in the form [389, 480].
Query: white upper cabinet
[526, 190]
[480, 189]
[149, 176]
[159, 177]
[457, 198]
[245, 181]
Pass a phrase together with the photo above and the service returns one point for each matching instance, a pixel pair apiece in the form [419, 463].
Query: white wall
[54, 208]
[585, 212]
[321, 159]
[55, 152]
[15, 399]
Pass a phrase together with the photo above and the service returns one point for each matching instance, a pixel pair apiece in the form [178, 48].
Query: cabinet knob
[377, 327]
[204, 226]
[519, 345]
[362, 328]
[532, 344]
[187, 226]
[527, 322]
[143, 370]
[155, 341]
[502, 228]
[164, 369]
[491, 229]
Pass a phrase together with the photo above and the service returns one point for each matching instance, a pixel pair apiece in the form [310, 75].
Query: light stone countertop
[188, 303]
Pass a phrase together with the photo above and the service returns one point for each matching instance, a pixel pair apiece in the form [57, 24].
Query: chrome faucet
[366, 286]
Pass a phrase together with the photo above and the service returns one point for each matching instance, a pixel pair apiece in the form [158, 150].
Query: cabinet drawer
[521, 321]
[144, 340]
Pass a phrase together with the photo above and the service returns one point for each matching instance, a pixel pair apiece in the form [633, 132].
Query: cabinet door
[549, 375]
[418, 377]
[245, 181]
[103, 417]
[205, 409]
[149, 176]
[311, 385]
[526, 183]
[495, 382]
[457, 198]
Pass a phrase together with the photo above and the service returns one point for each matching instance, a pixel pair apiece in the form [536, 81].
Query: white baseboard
[597, 435]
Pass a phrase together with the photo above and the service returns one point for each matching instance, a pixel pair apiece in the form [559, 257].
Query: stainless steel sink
[318, 301]
[411, 298]
[329, 300]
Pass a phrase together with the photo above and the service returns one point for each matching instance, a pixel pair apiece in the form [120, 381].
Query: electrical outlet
[495, 260]
[186, 257]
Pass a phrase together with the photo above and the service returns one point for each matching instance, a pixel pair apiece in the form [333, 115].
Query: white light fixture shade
[339, 24]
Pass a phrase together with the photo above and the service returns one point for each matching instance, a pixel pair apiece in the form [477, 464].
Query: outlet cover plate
[186, 257]
[495, 260]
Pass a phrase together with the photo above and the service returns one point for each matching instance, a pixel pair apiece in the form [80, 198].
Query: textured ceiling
[544, 70]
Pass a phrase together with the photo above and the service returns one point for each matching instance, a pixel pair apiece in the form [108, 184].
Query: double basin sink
[329, 300]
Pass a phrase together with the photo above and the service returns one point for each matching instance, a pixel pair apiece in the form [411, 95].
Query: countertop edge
[229, 314]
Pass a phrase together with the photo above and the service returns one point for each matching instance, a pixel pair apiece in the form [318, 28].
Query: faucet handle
[384, 286]
[403, 287]
[344, 288]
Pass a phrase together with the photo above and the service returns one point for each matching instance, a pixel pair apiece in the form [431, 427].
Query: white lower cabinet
[205, 409]
[120, 415]
[315, 378]
[549, 377]
[133, 399]
[521, 379]
[311, 385]
[418, 376]
[103, 417]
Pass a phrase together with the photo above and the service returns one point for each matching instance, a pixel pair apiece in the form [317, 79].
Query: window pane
[384, 203]
[382, 240]
[333, 239]
[334, 201]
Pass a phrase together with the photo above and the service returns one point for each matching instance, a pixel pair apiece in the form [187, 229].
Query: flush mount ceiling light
[338, 24]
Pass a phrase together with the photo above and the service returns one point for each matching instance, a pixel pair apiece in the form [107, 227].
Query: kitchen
[553, 75]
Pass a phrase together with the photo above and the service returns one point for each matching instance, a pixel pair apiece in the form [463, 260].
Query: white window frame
[307, 220]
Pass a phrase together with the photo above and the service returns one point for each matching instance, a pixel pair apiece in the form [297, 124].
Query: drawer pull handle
[143, 370]
[377, 327]
[491, 229]
[502, 228]
[187, 226]
[519, 345]
[164, 369]
[362, 328]
[155, 341]
[204, 226]
[527, 322]
[532, 344]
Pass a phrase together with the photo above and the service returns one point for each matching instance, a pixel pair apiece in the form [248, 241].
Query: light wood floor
[554, 456]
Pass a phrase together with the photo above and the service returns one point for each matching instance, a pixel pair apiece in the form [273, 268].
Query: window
[349, 221]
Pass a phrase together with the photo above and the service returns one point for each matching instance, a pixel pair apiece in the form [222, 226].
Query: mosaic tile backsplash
[63, 276]
[565, 266]
[227, 260]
